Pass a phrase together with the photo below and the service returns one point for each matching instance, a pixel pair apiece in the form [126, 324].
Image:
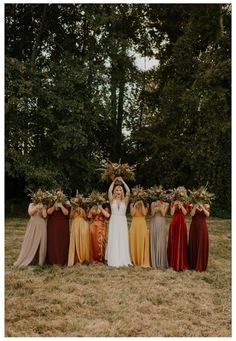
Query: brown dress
[58, 237]
[198, 242]
[98, 234]
[35, 241]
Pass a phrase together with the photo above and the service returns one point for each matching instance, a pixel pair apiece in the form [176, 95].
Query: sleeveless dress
[35, 239]
[139, 240]
[79, 250]
[118, 240]
[198, 242]
[58, 237]
[98, 233]
[177, 249]
[158, 245]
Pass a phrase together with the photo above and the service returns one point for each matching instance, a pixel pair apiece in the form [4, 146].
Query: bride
[118, 242]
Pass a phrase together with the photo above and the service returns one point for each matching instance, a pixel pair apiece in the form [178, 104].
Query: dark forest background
[74, 96]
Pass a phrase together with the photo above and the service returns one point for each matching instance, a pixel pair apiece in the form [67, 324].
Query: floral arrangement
[167, 195]
[77, 201]
[139, 193]
[96, 198]
[57, 196]
[112, 170]
[201, 196]
[40, 197]
[180, 194]
[154, 193]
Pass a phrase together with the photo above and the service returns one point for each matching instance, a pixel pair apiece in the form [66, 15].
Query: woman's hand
[39, 206]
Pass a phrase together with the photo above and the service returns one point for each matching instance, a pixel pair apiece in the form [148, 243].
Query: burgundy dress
[58, 237]
[177, 249]
[198, 242]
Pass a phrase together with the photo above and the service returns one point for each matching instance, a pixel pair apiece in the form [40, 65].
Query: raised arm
[127, 195]
[110, 190]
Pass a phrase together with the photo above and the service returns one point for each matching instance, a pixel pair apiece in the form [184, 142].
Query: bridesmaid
[79, 250]
[177, 250]
[198, 237]
[58, 233]
[35, 240]
[98, 232]
[158, 245]
[139, 235]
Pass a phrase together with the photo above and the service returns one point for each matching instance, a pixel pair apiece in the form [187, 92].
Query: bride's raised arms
[127, 194]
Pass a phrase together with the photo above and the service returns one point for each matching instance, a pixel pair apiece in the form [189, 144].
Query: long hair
[122, 192]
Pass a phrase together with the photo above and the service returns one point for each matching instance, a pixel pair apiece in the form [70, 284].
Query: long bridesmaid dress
[58, 237]
[198, 242]
[79, 250]
[35, 241]
[98, 235]
[139, 240]
[158, 244]
[177, 249]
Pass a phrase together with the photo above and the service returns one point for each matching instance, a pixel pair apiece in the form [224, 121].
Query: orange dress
[98, 235]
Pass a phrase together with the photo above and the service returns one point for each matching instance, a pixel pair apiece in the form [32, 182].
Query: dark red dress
[198, 242]
[177, 249]
[58, 237]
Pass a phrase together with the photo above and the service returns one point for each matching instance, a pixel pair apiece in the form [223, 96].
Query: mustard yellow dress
[139, 240]
[79, 249]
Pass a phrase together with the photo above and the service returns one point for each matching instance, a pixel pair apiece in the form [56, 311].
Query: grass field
[103, 301]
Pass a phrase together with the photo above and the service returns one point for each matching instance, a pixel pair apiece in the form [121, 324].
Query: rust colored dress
[98, 235]
[198, 242]
[177, 249]
[58, 237]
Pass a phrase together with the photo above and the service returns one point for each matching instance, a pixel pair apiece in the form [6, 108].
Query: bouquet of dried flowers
[201, 196]
[40, 197]
[139, 193]
[57, 196]
[96, 198]
[180, 194]
[154, 193]
[77, 201]
[112, 170]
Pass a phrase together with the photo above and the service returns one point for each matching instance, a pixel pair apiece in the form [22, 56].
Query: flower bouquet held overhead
[112, 170]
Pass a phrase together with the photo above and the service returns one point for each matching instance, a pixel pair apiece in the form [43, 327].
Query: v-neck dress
[118, 238]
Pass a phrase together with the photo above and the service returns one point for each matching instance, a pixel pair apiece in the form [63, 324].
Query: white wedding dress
[118, 238]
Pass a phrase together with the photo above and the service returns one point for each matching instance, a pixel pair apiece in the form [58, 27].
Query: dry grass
[103, 301]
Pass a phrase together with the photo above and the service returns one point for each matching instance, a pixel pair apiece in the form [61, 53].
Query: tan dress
[79, 249]
[158, 244]
[139, 240]
[35, 241]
